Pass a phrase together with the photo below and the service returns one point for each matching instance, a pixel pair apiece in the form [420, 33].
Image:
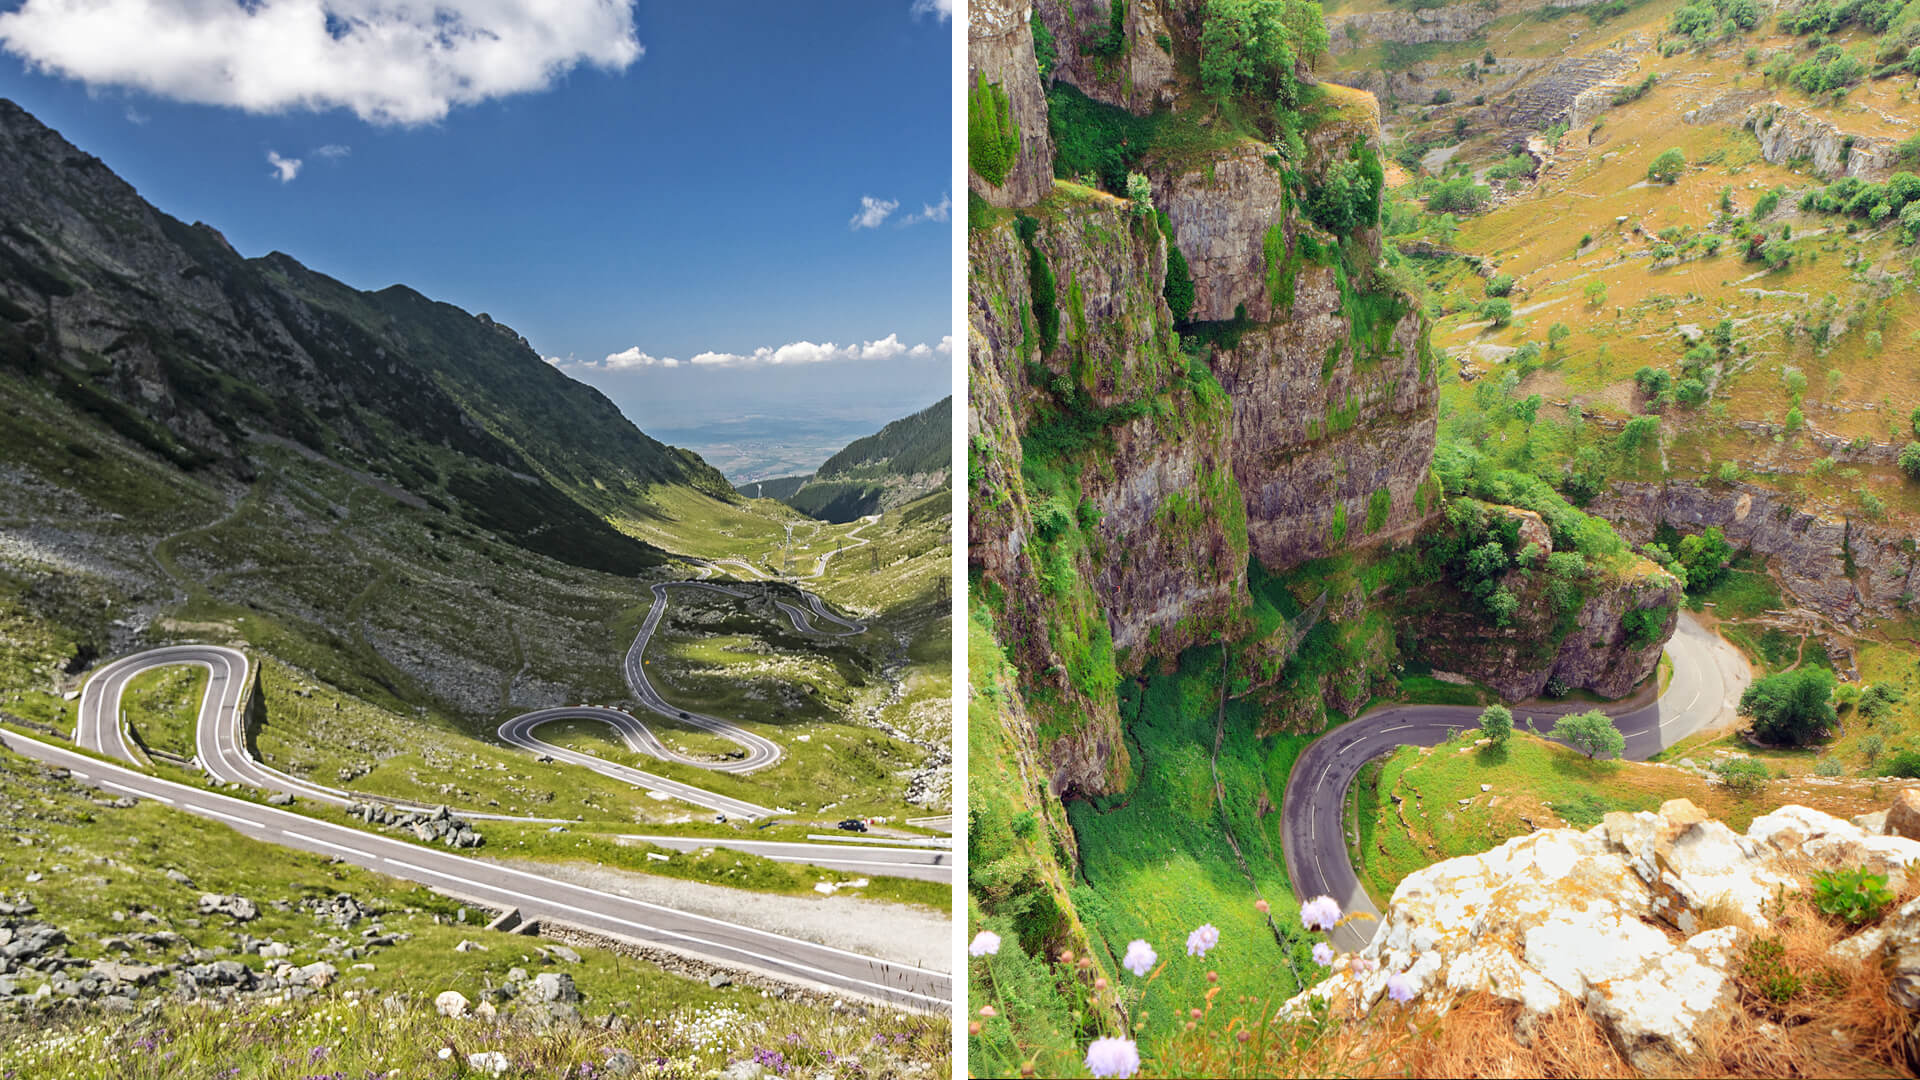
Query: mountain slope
[897, 464]
[161, 331]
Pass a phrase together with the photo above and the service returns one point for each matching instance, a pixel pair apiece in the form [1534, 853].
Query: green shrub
[1792, 707]
[993, 135]
[1742, 775]
[1500, 285]
[1910, 460]
[1668, 167]
[1498, 311]
[1045, 55]
[1853, 896]
[1592, 733]
[1496, 724]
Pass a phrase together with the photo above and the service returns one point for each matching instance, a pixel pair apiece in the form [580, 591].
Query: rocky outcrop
[1453, 22]
[1788, 133]
[1221, 209]
[1595, 650]
[1138, 77]
[436, 826]
[1845, 568]
[1641, 921]
[1000, 52]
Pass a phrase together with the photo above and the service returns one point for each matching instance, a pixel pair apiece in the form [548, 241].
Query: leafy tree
[1500, 285]
[1557, 335]
[1502, 605]
[1140, 194]
[1639, 432]
[1705, 555]
[1347, 196]
[1910, 460]
[1496, 723]
[1497, 310]
[1666, 168]
[1793, 707]
[1591, 733]
[1252, 47]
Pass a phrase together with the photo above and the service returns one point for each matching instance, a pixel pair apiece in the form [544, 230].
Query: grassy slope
[1537, 784]
[114, 861]
[162, 706]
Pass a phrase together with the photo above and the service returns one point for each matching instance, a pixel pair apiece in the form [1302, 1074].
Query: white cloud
[388, 61]
[634, 358]
[135, 116]
[792, 354]
[284, 169]
[931, 213]
[939, 9]
[332, 150]
[872, 212]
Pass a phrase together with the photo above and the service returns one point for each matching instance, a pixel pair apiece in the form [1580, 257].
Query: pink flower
[985, 943]
[1323, 954]
[1320, 913]
[1400, 987]
[1140, 958]
[1206, 937]
[1113, 1057]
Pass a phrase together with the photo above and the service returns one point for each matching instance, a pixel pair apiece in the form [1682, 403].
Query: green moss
[1379, 507]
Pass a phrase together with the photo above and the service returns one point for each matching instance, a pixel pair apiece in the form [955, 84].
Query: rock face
[1641, 920]
[1846, 569]
[1121, 478]
[1000, 52]
[1597, 652]
[1453, 22]
[1137, 77]
[1787, 133]
[1167, 566]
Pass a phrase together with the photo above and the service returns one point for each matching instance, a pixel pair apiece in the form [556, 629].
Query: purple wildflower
[1111, 1057]
[1400, 987]
[1140, 958]
[1320, 913]
[1323, 954]
[1206, 937]
[985, 943]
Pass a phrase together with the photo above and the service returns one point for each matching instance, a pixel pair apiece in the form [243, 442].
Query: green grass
[162, 706]
[1742, 594]
[1157, 862]
[100, 863]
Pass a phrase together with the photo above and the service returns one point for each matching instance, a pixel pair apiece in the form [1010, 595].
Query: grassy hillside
[386, 942]
[901, 462]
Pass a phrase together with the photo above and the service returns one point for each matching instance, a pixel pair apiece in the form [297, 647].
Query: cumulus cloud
[872, 212]
[387, 61]
[931, 213]
[939, 9]
[792, 354]
[284, 169]
[634, 358]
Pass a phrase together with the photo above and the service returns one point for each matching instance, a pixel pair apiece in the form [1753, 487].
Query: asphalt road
[536, 896]
[758, 751]
[927, 864]
[1708, 678]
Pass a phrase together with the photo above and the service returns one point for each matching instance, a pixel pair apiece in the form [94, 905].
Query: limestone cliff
[1000, 57]
[1661, 929]
[1845, 568]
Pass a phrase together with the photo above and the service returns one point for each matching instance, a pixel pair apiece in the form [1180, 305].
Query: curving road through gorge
[1708, 679]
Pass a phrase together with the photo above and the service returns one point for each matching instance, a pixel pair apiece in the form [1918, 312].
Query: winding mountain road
[1708, 679]
[536, 896]
[221, 748]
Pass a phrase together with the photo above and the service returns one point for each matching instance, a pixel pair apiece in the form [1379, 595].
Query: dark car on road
[854, 824]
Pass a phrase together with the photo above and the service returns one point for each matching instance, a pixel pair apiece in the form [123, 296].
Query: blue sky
[698, 179]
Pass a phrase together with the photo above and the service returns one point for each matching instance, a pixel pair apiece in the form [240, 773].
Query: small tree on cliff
[1253, 46]
[1591, 733]
[1496, 723]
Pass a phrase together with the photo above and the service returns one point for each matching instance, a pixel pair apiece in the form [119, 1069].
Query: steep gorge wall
[1000, 54]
